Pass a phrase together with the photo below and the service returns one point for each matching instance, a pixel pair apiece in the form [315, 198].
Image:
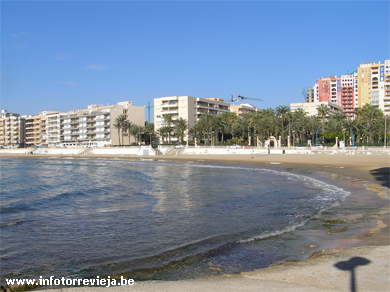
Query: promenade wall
[196, 150]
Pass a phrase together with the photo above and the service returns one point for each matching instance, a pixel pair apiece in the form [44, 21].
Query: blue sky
[69, 54]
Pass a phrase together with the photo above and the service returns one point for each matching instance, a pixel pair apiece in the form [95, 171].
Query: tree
[135, 130]
[240, 125]
[312, 125]
[163, 132]
[180, 127]
[117, 125]
[168, 119]
[120, 125]
[371, 115]
[127, 126]
[227, 119]
[323, 112]
[149, 130]
[205, 122]
[283, 112]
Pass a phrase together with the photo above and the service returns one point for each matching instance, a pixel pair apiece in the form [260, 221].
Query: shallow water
[167, 220]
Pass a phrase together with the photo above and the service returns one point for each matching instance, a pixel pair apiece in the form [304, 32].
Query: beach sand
[326, 270]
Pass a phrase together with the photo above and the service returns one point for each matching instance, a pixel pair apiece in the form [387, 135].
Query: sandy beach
[326, 270]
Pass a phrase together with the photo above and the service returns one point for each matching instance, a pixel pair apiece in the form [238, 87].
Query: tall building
[33, 127]
[372, 85]
[364, 84]
[310, 96]
[347, 94]
[387, 88]
[328, 89]
[36, 129]
[186, 107]
[12, 130]
[369, 84]
[54, 130]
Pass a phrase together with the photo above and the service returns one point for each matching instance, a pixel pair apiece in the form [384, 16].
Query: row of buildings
[94, 126]
[369, 84]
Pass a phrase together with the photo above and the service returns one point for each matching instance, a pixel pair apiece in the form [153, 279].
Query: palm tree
[163, 131]
[227, 119]
[149, 130]
[241, 124]
[127, 126]
[120, 125]
[371, 115]
[349, 124]
[283, 112]
[323, 112]
[117, 125]
[134, 131]
[168, 119]
[180, 127]
[206, 121]
[312, 125]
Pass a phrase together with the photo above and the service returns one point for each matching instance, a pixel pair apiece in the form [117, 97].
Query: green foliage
[367, 127]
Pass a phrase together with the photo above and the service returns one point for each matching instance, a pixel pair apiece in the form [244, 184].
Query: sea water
[68, 217]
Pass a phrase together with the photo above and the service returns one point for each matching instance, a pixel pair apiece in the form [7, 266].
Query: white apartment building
[386, 100]
[12, 130]
[92, 126]
[311, 107]
[186, 107]
[54, 131]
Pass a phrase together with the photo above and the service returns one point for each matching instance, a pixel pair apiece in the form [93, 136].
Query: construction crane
[232, 100]
[243, 97]
[148, 106]
[351, 72]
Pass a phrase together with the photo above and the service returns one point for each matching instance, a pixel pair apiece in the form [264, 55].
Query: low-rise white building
[311, 108]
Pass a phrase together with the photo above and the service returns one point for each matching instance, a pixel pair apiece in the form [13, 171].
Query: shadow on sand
[350, 265]
[382, 175]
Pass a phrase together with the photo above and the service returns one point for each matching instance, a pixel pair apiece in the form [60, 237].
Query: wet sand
[327, 270]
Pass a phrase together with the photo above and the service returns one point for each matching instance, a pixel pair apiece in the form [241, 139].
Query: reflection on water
[78, 217]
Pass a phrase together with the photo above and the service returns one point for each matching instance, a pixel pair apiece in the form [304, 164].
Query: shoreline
[295, 275]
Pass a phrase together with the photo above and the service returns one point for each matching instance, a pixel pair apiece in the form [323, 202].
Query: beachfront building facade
[12, 130]
[36, 134]
[243, 109]
[373, 85]
[369, 84]
[387, 88]
[186, 107]
[134, 115]
[312, 107]
[33, 127]
[94, 126]
[54, 129]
